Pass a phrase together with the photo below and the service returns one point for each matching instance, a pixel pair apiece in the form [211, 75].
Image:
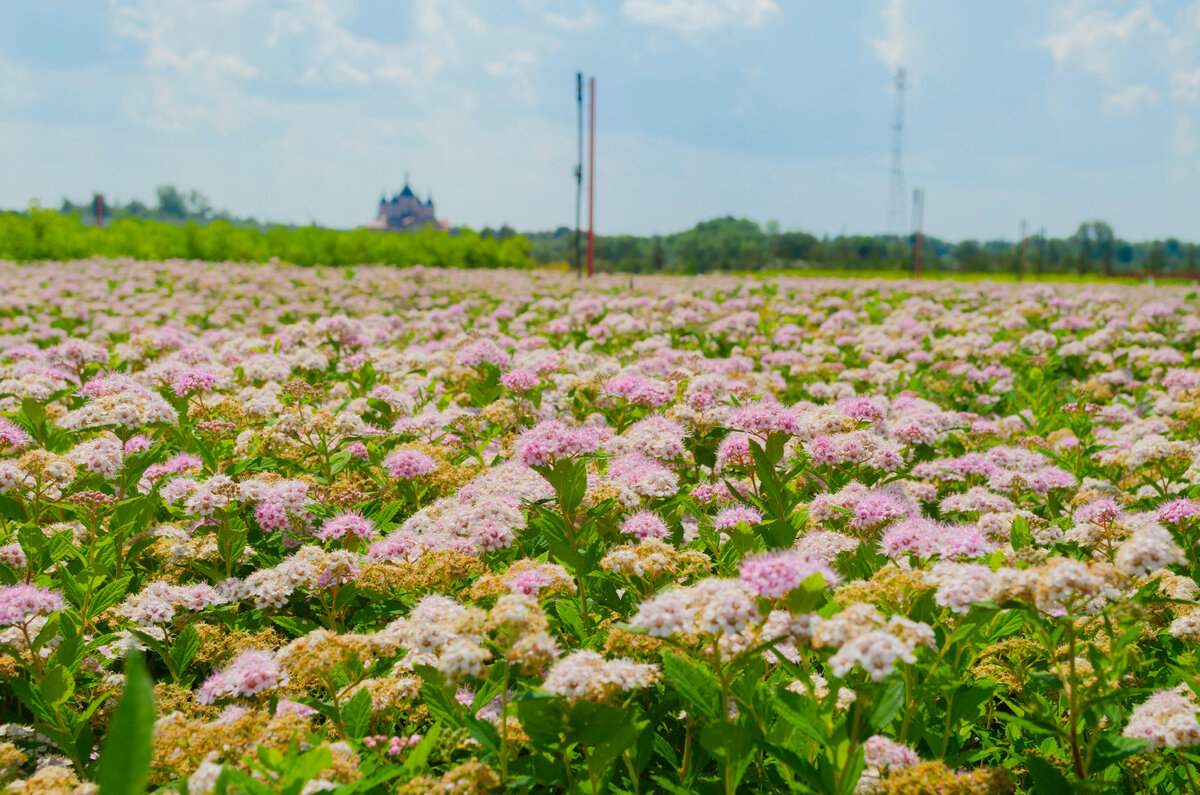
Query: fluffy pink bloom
[252, 672]
[882, 752]
[483, 351]
[550, 441]
[734, 451]
[876, 509]
[19, 603]
[1178, 511]
[639, 390]
[271, 515]
[191, 381]
[12, 435]
[863, 409]
[519, 379]
[763, 419]
[409, 464]
[645, 524]
[734, 515]
[350, 523]
[774, 574]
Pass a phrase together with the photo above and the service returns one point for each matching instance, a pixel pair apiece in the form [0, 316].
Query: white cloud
[1185, 85]
[587, 20]
[1130, 100]
[897, 46]
[695, 17]
[516, 67]
[1093, 39]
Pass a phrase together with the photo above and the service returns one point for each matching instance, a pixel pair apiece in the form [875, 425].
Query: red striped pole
[591, 243]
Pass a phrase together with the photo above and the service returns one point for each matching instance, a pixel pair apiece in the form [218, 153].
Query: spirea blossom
[20, 603]
[409, 464]
[774, 574]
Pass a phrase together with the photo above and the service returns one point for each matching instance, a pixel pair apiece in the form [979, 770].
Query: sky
[301, 111]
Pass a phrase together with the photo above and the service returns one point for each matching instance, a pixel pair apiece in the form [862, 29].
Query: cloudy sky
[304, 110]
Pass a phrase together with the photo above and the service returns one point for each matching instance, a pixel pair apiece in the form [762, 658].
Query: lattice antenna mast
[897, 221]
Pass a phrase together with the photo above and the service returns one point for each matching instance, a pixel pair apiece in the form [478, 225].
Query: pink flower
[520, 379]
[12, 435]
[271, 515]
[19, 603]
[191, 381]
[763, 419]
[409, 464]
[882, 752]
[1178, 511]
[876, 509]
[550, 441]
[645, 524]
[774, 574]
[734, 515]
[252, 672]
[639, 390]
[350, 523]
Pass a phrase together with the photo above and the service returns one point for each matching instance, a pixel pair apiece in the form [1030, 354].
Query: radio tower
[897, 222]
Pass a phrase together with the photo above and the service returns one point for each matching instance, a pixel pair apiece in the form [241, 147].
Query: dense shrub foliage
[267, 529]
[48, 235]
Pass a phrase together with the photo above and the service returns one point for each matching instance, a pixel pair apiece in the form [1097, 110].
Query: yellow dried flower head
[318, 656]
[11, 758]
[436, 571]
[892, 588]
[935, 778]
[220, 644]
[51, 780]
[525, 576]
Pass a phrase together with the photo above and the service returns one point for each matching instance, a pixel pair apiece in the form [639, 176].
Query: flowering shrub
[277, 530]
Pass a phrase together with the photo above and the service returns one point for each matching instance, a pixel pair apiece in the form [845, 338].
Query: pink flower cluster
[550, 441]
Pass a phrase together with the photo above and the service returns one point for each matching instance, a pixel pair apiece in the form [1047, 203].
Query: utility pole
[591, 240]
[1024, 240]
[896, 210]
[918, 220]
[579, 170]
[98, 207]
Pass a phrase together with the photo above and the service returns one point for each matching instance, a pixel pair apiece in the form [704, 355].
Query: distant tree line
[171, 206]
[39, 234]
[729, 244]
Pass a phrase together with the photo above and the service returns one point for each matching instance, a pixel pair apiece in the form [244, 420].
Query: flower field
[267, 529]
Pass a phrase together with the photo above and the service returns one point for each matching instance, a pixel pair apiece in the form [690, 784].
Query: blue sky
[299, 110]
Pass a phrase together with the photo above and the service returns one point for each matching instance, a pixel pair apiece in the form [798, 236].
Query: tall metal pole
[1024, 241]
[591, 243]
[579, 171]
[918, 220]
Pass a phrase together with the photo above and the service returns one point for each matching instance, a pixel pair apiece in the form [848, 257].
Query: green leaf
[1047, 779]
[888, 705]
[356, 714]
[298, 627]
[695, 684]
[1019, 536]
[187, 643]
[1115, 747]
[58, 686]
[542, 720]
[125, 759]
[108, 596]
[800, 711]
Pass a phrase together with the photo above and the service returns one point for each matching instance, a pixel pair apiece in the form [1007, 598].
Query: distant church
[405, 211]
